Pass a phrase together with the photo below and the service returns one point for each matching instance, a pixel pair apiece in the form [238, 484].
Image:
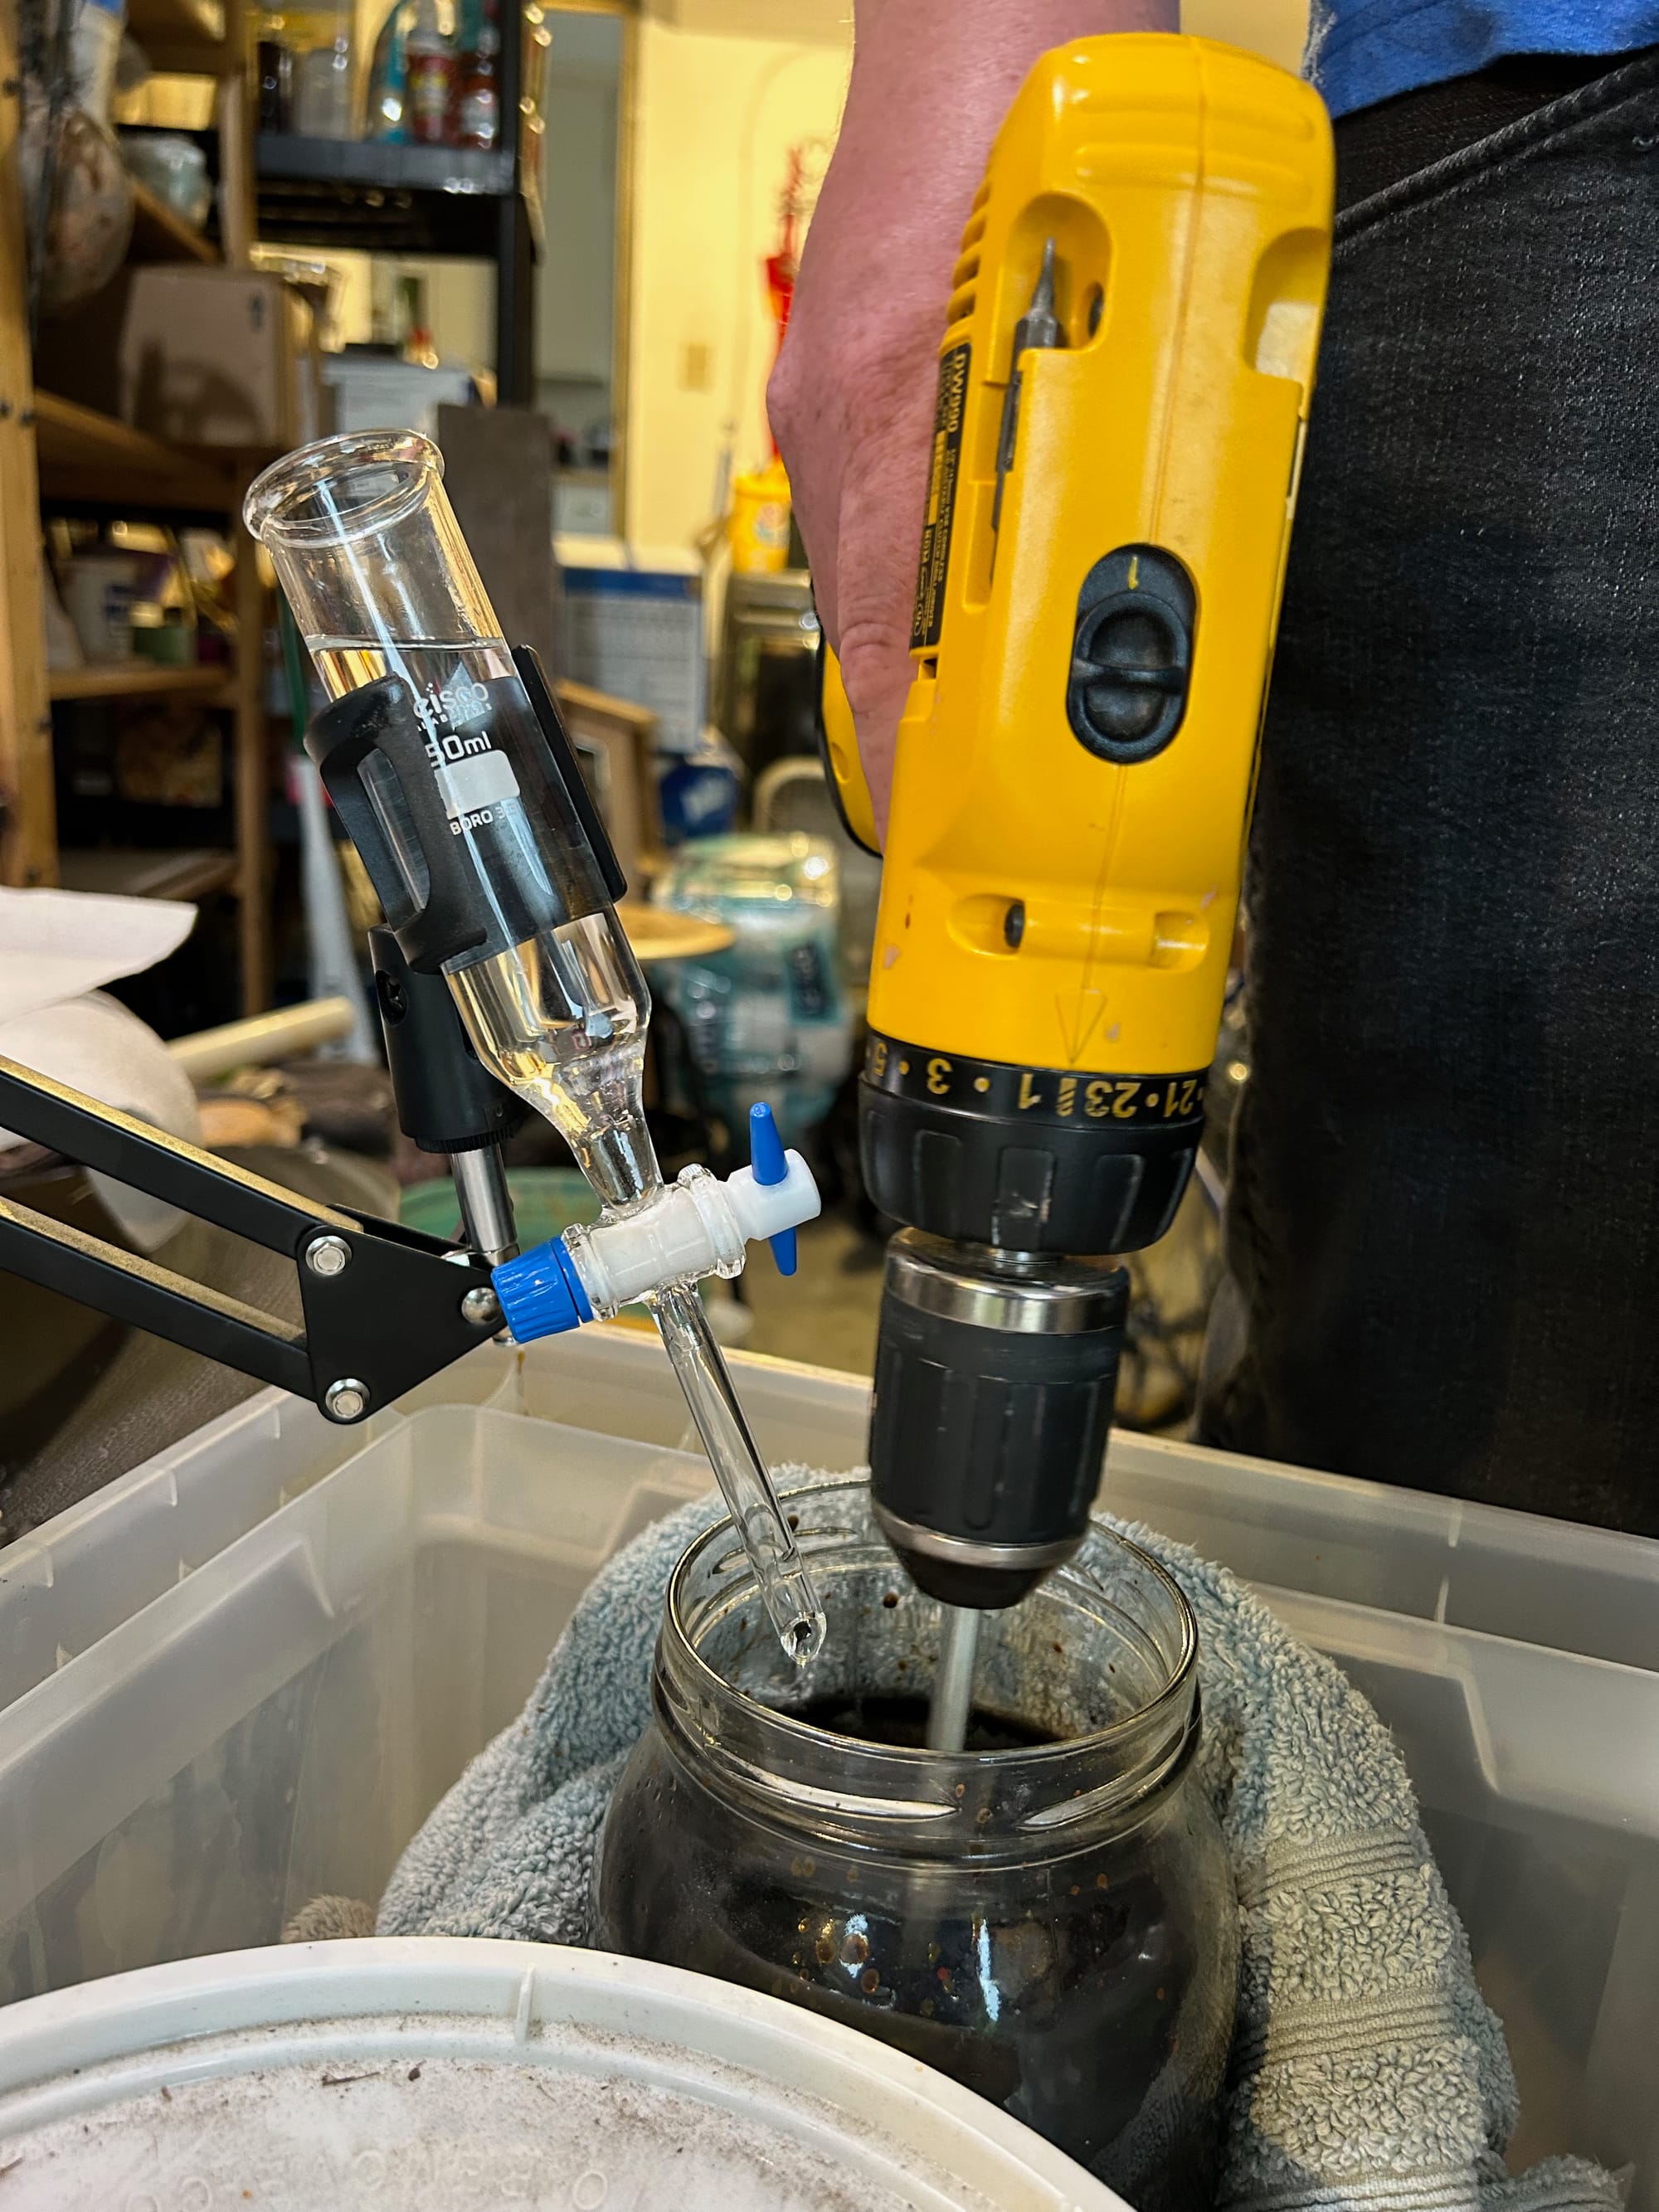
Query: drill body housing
[1124, 382]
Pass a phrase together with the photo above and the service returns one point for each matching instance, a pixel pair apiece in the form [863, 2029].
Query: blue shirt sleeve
[1360, 51]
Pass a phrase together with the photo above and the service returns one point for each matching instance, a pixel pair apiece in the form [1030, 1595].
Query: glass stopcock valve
[444, 755]
[699, 1226]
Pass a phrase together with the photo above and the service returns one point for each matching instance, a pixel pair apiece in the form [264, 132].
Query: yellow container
[758, 528]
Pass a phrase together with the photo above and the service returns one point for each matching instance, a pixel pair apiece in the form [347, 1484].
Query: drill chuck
[994, 1380]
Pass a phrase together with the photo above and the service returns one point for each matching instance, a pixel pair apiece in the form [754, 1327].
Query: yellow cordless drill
[1124, 382]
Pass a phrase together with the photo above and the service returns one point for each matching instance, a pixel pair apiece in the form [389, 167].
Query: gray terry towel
[1368, 2075]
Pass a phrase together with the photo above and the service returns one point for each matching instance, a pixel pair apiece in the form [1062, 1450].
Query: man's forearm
[965, 41]
[851, 396]
[932, 78]
[974, 53]
[930, 82]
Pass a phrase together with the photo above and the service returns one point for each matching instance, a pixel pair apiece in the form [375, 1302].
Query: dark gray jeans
[1444, 1220]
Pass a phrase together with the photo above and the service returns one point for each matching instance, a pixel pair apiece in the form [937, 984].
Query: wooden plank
[237, 199]
[28, 822]
[158, 235]
[183, 38]
[192, 872]
[583, 699]
[84, 455]
[140, 679]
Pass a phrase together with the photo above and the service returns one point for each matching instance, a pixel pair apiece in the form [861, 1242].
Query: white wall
[1274, 27]
[718, 110]
[575, 282]
[716, 117]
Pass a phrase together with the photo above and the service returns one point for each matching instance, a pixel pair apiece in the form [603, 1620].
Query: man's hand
[851, 400]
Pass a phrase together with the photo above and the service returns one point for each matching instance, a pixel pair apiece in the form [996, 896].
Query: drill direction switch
[1132, 655]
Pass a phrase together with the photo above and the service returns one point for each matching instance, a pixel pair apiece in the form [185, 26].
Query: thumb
[876, 669]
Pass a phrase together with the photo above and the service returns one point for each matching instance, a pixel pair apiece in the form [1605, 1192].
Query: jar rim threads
[1101, 1661]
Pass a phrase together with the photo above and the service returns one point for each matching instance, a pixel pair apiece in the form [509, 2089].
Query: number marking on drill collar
[1035, 1094]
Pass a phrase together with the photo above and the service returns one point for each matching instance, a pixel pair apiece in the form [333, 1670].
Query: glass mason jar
[1049, 1916]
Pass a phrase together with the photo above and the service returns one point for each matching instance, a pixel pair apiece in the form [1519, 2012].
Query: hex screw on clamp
[328, 1255]
[347, 1400]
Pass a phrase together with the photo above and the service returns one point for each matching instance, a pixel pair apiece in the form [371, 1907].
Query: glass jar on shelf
[1049, 1916]
[477, 120]
[305, 65]
[429, 74]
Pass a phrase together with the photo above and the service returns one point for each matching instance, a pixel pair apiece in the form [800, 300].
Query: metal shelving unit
[427, 200]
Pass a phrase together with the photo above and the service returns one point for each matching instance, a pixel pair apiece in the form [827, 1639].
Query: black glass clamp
[452, 879]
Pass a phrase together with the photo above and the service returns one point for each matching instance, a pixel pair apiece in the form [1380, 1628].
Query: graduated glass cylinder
[374, 564]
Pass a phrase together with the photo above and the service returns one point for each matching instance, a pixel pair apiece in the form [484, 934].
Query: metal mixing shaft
[953, 1685]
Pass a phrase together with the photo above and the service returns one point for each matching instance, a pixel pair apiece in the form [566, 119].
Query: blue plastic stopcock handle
[766, 1158]
[541, 1293]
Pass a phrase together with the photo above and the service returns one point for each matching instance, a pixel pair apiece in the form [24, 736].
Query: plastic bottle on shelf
[325, 87]
[477, 112]
[386, 102]
[430, 78]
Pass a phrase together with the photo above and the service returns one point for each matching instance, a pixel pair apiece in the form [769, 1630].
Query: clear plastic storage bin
[241, 1676]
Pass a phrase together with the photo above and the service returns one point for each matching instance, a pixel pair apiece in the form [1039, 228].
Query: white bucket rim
[74, 2049]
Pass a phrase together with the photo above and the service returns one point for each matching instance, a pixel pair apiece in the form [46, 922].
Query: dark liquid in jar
[903, 1723]
[1054, 1987]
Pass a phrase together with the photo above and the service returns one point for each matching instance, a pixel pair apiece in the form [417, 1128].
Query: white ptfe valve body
[697, 1225]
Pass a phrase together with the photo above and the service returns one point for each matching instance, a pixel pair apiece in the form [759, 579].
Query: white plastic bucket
[456, 2076]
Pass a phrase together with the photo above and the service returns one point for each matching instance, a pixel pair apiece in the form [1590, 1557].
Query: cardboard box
[201, 356]
[219, 357]
[616, 744]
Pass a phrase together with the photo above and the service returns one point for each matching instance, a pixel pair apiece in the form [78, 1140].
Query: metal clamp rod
[486, 1203]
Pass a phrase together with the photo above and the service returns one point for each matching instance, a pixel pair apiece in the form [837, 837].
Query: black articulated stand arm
[384, 1306]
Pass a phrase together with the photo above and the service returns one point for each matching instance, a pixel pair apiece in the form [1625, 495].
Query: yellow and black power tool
[1123, 389]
